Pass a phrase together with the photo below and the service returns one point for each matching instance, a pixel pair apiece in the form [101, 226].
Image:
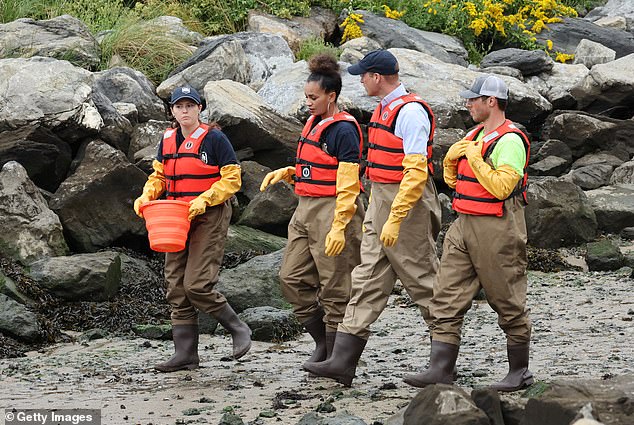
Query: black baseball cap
[379, 61]
[185, 92]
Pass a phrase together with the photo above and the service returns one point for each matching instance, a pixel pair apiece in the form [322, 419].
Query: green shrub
[145, 48]
[308, 48]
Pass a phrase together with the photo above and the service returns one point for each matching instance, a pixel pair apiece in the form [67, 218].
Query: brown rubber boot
[317, 329]
[519, 376]
[330, 343]
[240, 332]
[442, 361]
[342, 364]
[185, 349]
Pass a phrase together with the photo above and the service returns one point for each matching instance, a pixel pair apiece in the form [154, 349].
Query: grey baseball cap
[487, 85]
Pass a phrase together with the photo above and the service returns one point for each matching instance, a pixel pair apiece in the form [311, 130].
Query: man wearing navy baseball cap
[399, 242]
[485, 247]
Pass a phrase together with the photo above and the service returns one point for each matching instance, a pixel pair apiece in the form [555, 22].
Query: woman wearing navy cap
[196, 163]
[324, 233]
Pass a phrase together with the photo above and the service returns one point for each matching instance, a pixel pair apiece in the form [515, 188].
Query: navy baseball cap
[185, 92]
[379, 61]
[487, 85]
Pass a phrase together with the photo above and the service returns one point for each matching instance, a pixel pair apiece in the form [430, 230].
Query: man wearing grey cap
[486, 246]
[403, 217]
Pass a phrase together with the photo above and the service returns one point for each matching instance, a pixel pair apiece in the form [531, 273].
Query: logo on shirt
[189, 145]
[203, 157]
[384, 116]
[313, 131]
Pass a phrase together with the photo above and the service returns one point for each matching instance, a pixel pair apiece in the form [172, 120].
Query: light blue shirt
[412, 123]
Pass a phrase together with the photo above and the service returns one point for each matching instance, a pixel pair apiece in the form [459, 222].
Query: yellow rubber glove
[450, 172]
[273, 177]
[457, 150]
[153, 188]
[409, 192]
[348, 188]
[229, 183]
[498, 182]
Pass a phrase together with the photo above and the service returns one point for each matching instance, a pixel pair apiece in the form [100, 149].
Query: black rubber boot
[342, 364]
[240, 332]
[317, 329]
[519, 377]
[442, 362]
[185, 349]
[330, 343]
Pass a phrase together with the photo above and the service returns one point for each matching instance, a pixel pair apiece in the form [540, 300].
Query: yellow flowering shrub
[392, 13]
[486, 24]
[351, 28]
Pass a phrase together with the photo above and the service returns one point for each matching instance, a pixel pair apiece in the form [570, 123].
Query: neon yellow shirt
[509, 150]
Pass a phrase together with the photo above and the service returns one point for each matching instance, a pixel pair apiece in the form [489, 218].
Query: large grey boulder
[80, 277]
[254, 283]
[147, 134]
[63, 37]
[271, 210]
[127, 85]
[116, 128]
[17, 321]
[394, 33]
[264, 54]
[590, 176]
[49, 92]
[529, 62]
[622, 9]
[558, 214]
[552, 147]
[45, 156]
[598, 158]
[443, 139]
[555, 85]
[95, 203]
[613, 206]
[29, 230]
[590, 53]
[604, 255]
[270, 324]
[175, 28]
[354, 50]
[243, 238]
[623, 174]
[565, 400]
[222, 58]
[591, 133]
[249, 122]
[320, 24]
[442, 404]
[608, 89]
[549, 166]
[566, 36]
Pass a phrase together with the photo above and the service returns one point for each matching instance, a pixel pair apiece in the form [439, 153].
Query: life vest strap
[467, 178]
[180, 155]
[381, 126]
[477, 199]
[385, 167]
[309, 142]
[316, 164]
[192, 176]
[385, 148]
[318, 182]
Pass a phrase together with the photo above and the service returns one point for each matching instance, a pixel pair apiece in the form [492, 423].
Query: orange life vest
[315, 169]
[385, 150]
[470, 196]
[186, 173]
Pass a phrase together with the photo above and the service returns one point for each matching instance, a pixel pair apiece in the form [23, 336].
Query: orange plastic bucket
[167, 224]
